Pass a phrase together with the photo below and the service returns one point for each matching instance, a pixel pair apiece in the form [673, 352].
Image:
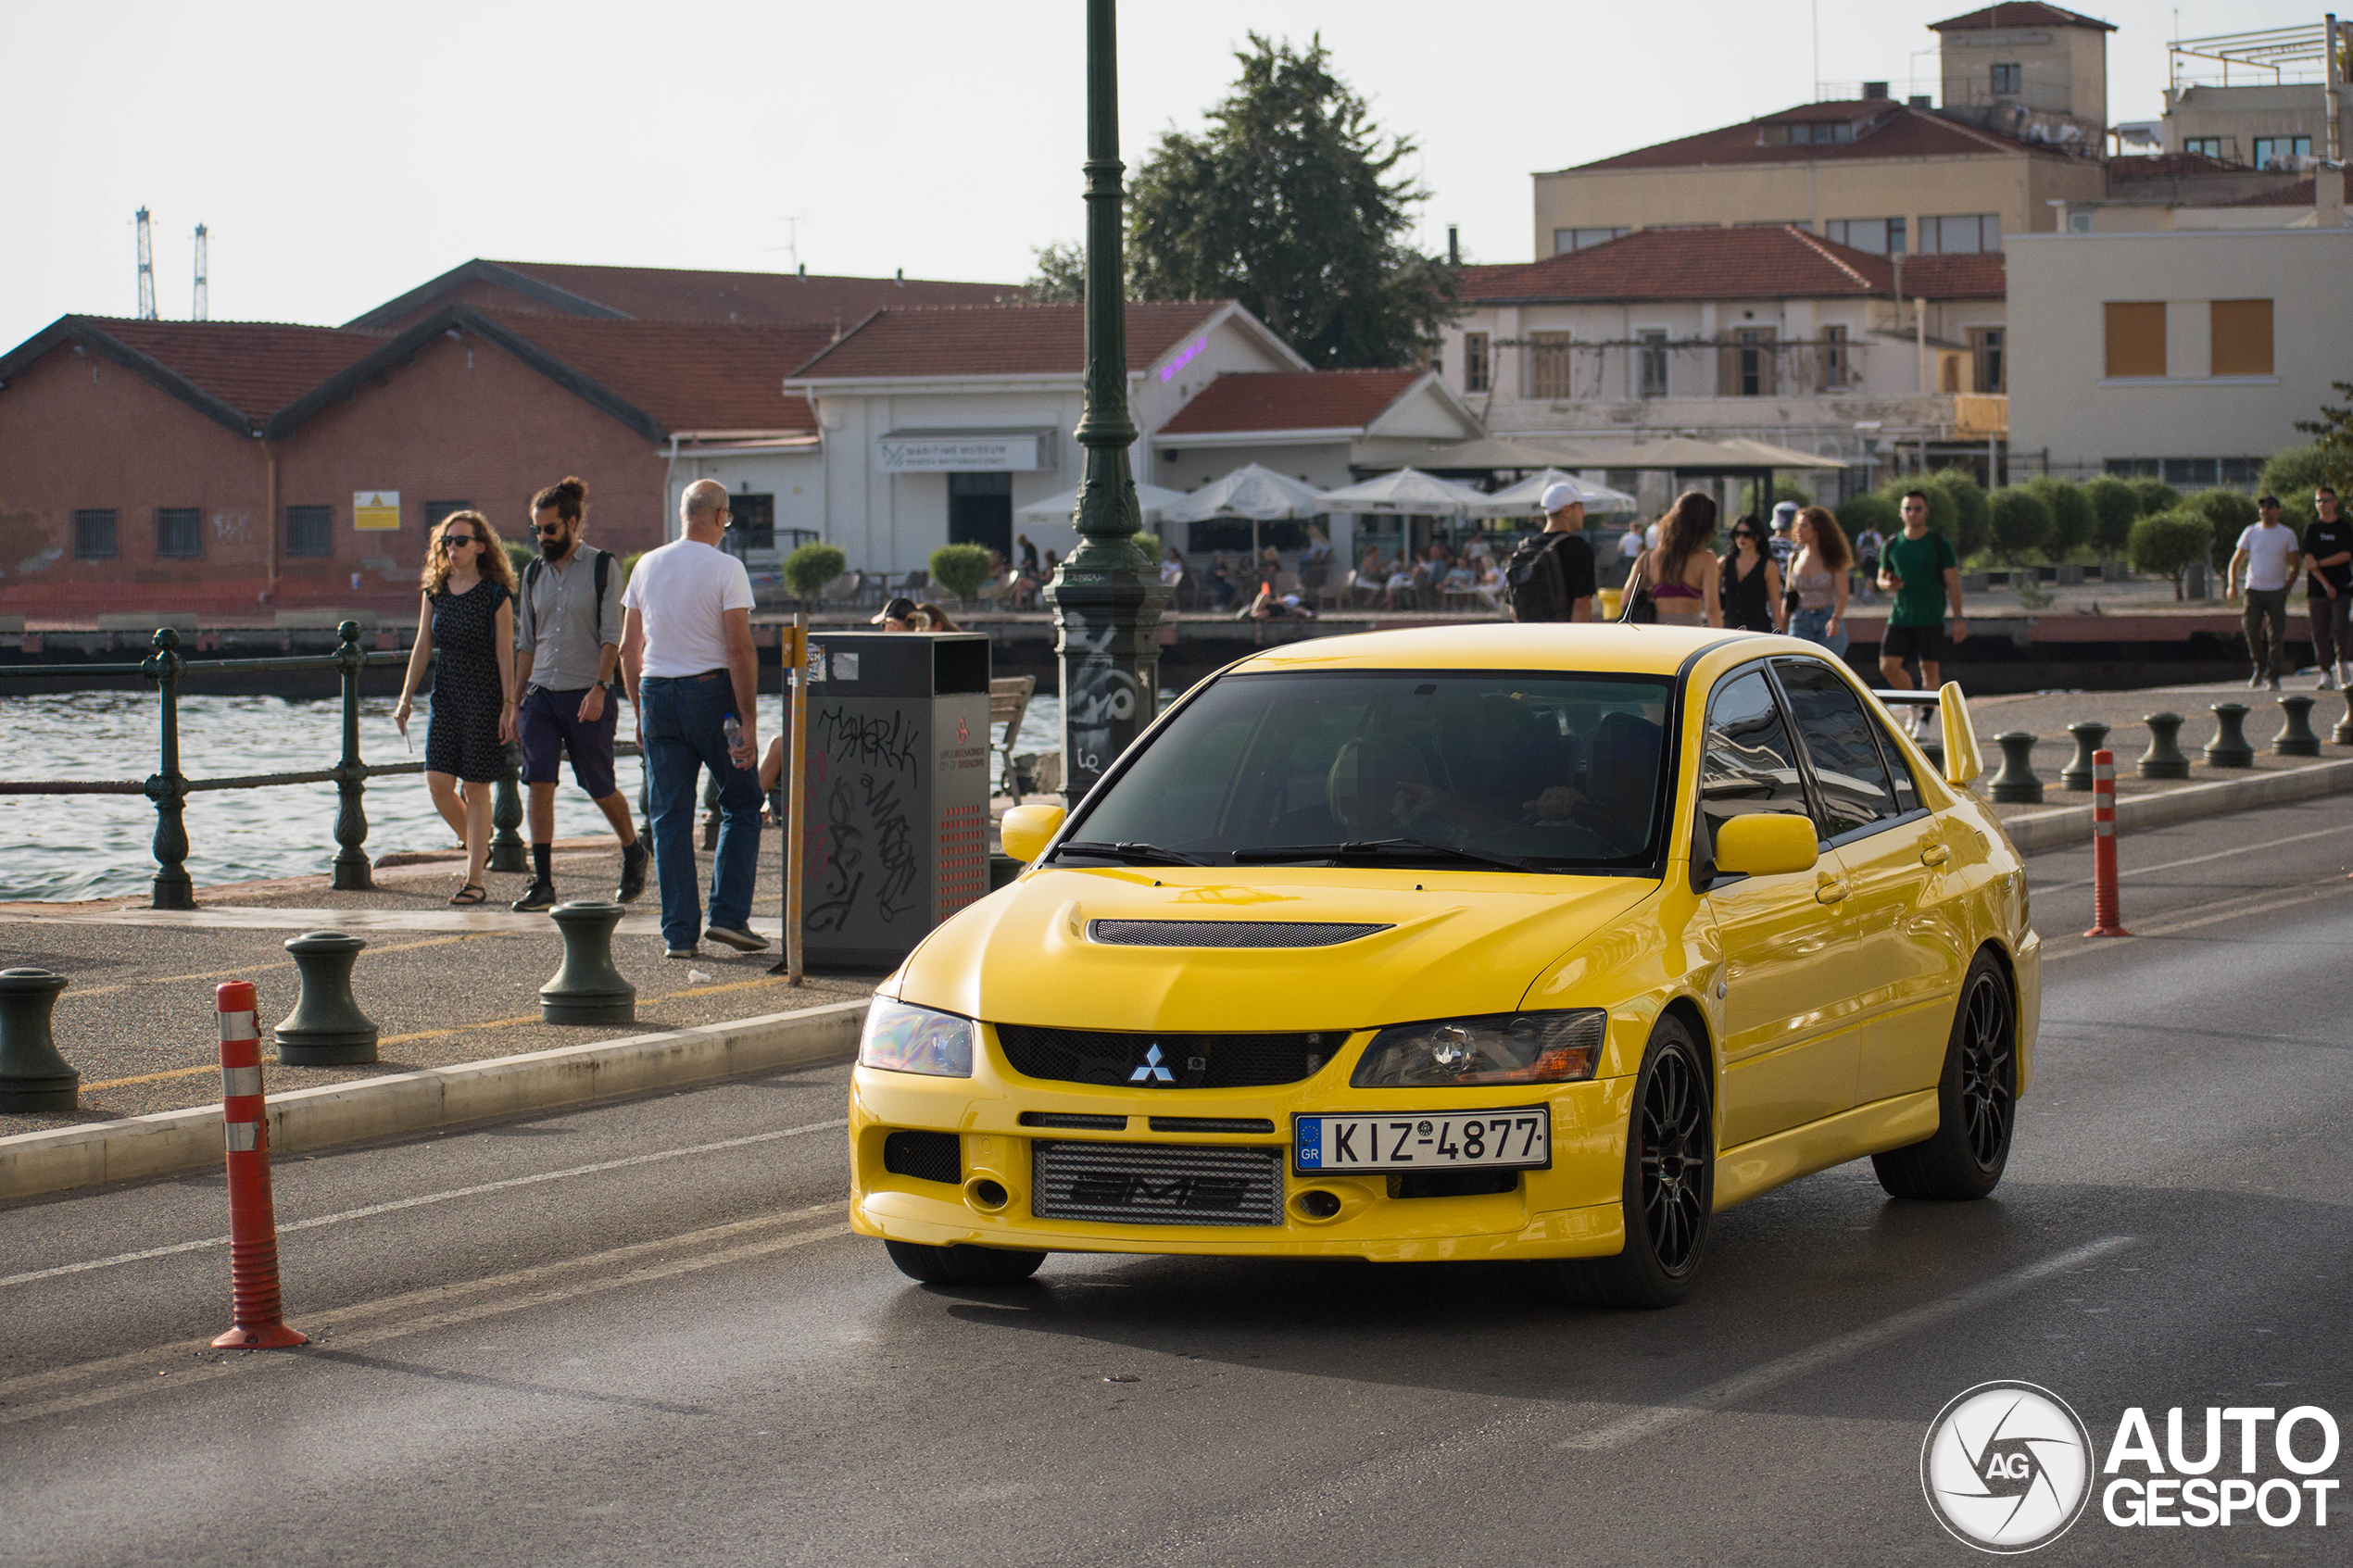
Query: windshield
[1555, 771]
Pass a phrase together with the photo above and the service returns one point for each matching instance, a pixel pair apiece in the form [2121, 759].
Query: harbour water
[65, 847]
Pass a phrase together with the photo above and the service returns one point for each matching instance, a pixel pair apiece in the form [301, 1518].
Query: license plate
[1520, 1138]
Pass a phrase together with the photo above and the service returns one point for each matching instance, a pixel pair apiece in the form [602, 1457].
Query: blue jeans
[1813, 625]
[682, 737]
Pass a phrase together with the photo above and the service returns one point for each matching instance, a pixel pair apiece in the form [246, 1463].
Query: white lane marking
[212, 1241]
[2200, 859]
[1649, 1422]
[2263, 901]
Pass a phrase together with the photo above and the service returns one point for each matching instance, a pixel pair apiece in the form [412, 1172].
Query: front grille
[927, 1157]
[1156, 1184]
[1451, 1183]
[1211, 1124]
[1073, 1120]
[1166, 1061]
[1228, 932]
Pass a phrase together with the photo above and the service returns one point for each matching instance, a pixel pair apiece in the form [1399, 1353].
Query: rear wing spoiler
[1963, 760]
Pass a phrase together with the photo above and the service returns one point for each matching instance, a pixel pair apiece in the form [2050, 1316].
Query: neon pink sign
[1168, 371]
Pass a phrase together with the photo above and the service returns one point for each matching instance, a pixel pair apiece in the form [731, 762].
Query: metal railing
[169, 788]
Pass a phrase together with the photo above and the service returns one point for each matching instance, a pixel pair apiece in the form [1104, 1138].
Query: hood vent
[1228, 932]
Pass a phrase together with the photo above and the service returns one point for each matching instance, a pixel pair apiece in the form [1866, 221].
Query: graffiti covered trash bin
[896, 837]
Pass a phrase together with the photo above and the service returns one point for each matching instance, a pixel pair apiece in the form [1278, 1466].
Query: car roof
[1610, 647]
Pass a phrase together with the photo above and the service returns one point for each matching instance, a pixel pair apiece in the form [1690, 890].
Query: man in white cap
[1784, 535]
[1551, 577]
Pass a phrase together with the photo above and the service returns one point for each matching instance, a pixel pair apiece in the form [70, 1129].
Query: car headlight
[1503, 1047]
[900, 1038]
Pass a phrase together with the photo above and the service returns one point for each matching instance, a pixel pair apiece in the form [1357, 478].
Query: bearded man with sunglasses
[567, 654]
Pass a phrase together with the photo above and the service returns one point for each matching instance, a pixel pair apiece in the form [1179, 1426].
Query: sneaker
[2274, 683]
[688, 951]
[2328, 681]
[634, 863]
[2254, 682]
[538, 896]
[741, 940]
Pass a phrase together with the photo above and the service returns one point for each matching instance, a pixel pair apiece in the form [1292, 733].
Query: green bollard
[587, 989]
[326, 1028]
[32, 1075]
[505, 814]
[2295, 737]
[2343, 733]
[2229, 747]
[2016, 783]
[2164, 759]
[352, 873]
[167, 786]
[2090, 736]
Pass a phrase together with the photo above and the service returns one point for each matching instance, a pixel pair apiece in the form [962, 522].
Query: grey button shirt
[557, 624]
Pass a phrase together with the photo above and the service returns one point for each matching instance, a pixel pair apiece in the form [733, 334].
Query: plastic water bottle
[734, 731]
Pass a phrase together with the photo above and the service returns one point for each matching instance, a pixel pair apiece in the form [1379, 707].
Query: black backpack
[1533, 578]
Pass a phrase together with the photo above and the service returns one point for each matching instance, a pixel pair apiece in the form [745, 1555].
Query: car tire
[1670, 1192]
[963, 1265]
[1976, 1099]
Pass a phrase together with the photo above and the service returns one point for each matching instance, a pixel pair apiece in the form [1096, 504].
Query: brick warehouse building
[177, 466]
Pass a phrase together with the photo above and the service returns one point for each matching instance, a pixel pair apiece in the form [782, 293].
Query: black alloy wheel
[1976, 1099]
[1674, 1157]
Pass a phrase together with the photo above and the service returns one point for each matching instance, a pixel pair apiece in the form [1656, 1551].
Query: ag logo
[2007, 1467]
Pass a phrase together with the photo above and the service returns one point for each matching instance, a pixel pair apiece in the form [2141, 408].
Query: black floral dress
[464, 735]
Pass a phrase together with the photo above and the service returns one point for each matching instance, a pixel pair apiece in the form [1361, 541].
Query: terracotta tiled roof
[2025, 14]
[256, 368]
[1779, 262]
[1291, 400]
[672, 294]
[689, 375]
[1895, 131]
[1004, 339]
[2302, 193]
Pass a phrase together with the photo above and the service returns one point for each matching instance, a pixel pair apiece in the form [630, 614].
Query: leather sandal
[472, 893]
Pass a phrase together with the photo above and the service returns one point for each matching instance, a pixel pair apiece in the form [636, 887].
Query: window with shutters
[93, 533]
[1747, 363]
[311, 530]
[1652, 359]
[1838, 369]
[1548, 358]
[2135, 337]
[1477, 370]
[2242, 330]
[2009, 76]
[179, 533]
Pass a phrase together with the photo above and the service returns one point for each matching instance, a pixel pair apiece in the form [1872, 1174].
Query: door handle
[1934, 854]
[1828, 892]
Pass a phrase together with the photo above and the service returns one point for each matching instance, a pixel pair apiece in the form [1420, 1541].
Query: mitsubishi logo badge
[1154, 1070]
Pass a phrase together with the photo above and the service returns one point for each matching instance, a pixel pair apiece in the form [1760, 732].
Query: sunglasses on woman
[453, 541]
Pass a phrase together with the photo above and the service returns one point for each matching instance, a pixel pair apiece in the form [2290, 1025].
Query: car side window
[1899, 769]
[1747, 762]
[1836, 732]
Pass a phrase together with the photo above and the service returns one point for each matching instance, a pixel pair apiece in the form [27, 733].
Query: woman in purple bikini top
[1682, 572]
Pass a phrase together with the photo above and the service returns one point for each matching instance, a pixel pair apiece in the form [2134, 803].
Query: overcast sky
[341, 154]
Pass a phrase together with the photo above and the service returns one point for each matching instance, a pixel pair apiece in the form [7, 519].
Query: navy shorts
[550, 724]
[1923, 643]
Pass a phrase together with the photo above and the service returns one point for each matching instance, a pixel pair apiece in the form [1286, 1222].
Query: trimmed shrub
[2072, 518]
[2290, 475]
[2230, 514]
[1943, 516]
[961, 568]
[2154, 494]
[1869, 510]
[519, 557]
[629, 565]
[810, 567]
[1972, 511]
[2021, 522]
[2167, 543]
[2114, 505]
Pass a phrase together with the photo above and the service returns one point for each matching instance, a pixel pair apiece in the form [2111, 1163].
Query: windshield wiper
[1365, 848]
[1131, 854]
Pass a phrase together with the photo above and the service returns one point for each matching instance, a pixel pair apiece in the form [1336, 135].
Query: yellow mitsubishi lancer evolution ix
[1540, 942]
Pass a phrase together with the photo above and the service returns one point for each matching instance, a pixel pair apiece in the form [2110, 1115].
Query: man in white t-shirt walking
[2267, 559]
[687, 653]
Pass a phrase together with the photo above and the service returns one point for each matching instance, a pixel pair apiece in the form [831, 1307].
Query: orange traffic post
[253, 1218]
[2107, 921]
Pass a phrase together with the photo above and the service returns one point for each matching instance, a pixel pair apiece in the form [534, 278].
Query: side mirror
[1963, 760]
[1026, 831]
[1766, 844]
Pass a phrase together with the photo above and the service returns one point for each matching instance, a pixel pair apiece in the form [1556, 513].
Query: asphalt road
[640, 1333]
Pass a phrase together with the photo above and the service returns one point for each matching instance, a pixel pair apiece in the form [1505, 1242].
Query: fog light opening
[985, 1194]
[1317, 1204]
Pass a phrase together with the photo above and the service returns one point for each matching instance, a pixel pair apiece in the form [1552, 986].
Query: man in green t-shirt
[1920, 569]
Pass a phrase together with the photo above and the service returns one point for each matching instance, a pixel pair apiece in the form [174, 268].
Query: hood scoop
[1228, 932]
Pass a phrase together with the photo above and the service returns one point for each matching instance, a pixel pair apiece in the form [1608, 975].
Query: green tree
[2168, 543]
[1968, 529]
[1291, 202]
[1061, 278]
[2290, 475]
[2229, 514]
[2021, 521]
[2113, 509]
[961, 568]
[2154, 494]
[1869, 510]
[810, 567]
[2073, 517]
[2334, 441]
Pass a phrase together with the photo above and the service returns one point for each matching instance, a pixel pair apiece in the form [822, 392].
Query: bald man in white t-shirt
[687, 654]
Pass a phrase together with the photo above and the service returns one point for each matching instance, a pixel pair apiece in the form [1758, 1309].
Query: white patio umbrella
[1152, 498]
[1525, 498]
[1406, 490]
[1250, 491]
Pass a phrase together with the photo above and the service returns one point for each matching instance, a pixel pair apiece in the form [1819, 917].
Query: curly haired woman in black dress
[468, 612]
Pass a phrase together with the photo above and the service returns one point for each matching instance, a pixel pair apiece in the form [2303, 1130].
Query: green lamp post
[1107, 597]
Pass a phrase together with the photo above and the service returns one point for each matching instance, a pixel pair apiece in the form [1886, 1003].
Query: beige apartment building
[2259, 100]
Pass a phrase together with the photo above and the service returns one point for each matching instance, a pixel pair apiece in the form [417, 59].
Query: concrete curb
[2054, 830]
[167, 1142]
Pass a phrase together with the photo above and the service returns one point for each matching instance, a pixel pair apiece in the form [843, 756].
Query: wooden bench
[1008, 702]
